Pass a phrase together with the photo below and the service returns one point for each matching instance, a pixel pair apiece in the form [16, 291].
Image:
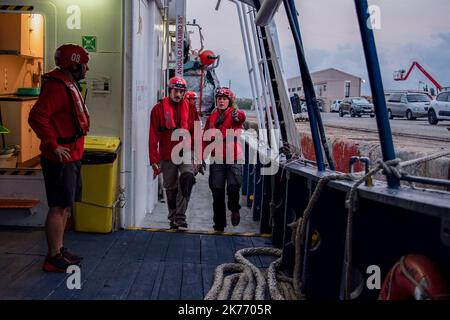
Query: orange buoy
[414, 277]
[207, 57]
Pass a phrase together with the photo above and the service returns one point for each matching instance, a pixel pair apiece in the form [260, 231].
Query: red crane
[400, 75]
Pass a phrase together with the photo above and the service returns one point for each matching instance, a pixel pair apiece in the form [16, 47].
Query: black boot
[220, 219]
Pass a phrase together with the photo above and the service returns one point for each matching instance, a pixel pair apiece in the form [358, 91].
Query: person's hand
[62, 153]
[156, 170]
[234, 114]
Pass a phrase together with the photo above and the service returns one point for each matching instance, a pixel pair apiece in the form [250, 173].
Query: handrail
[307, 82]
[266, 12]
[376, 84]
[308, 85]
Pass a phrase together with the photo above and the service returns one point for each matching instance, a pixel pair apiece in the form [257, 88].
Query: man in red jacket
[168, 115]
[61, 120]
[191, 97]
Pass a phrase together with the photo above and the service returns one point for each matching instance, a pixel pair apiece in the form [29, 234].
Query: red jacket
[193, 114]
[53, 117]
[228, 123]
[166, 117]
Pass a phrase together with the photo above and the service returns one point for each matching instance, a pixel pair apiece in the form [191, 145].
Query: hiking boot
[72, 258]
[182, 224]
[235, 218]
[173, 226]
[56, 264]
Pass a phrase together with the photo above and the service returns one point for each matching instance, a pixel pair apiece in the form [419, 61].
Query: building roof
[317, 73]
[334, 69]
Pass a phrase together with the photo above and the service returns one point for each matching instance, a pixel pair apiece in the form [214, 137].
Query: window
[360, 100]
[403, 99]
[299, 89]
[418, 98]
[443, 97]
[394, 98]
[347, 89]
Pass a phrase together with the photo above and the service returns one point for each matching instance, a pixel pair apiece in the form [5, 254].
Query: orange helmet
[70, 54]
[225, 92]
[190, 95]
[177, 83]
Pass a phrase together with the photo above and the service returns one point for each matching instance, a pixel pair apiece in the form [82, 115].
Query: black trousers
[225, 177]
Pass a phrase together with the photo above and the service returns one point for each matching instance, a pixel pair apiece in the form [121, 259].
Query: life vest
[414, 277]
[221, 121]
[167, 121]
[224, 122]
[79, 107]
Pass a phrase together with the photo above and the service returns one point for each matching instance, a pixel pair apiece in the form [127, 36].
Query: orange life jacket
[79, 107]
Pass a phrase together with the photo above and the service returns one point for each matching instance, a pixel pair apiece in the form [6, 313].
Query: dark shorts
[62, 182]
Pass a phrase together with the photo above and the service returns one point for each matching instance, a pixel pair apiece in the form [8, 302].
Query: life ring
[414, 277]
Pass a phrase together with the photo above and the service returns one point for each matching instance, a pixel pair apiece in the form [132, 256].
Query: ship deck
[123, 265]
[150, 263]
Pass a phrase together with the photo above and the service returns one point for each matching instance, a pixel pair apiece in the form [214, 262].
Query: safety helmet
[177, 83]
[190, 95]
[225, 92]
[70, 54]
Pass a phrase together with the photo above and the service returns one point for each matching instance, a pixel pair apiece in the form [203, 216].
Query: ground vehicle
[400, 75]
[356, 107]
[409, 105]
[440, 108]
[335, 106]
[305, 107]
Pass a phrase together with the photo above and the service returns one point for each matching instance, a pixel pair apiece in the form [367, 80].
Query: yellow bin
[99, 175]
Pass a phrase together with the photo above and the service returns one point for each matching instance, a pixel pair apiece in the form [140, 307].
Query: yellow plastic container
[91, 218]
[99, 183]
[99, 173]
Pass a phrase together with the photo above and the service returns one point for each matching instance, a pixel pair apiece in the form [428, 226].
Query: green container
[28, 91]
[4, 130]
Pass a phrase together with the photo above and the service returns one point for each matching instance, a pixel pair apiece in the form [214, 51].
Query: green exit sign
[90, 43]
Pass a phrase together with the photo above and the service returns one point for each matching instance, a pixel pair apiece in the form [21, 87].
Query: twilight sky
[411, 30]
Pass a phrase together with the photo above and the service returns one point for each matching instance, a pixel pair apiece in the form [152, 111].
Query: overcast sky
[411, 30]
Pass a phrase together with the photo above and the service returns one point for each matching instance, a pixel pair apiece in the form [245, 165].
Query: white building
[329, 84]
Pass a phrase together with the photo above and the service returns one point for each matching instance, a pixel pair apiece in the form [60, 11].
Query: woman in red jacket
[225, 171]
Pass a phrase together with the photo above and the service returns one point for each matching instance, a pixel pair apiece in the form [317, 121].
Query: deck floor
[125, 265]
[199, 214]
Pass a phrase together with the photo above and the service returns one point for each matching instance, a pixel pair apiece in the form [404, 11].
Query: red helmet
[177, 83]
[190, 95]
[225, 92]
[70, 54]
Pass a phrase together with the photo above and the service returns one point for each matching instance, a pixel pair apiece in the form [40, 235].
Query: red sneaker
[56, 264]
[72, 258]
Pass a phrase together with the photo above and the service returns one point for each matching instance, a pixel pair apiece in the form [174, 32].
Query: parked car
[409, 105]
[335, 106]
[356, 107]
[440, 108]
[319, 103]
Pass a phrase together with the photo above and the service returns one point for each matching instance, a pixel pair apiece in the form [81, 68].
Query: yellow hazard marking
[212, 232]
[18, 172]
[16, 8]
